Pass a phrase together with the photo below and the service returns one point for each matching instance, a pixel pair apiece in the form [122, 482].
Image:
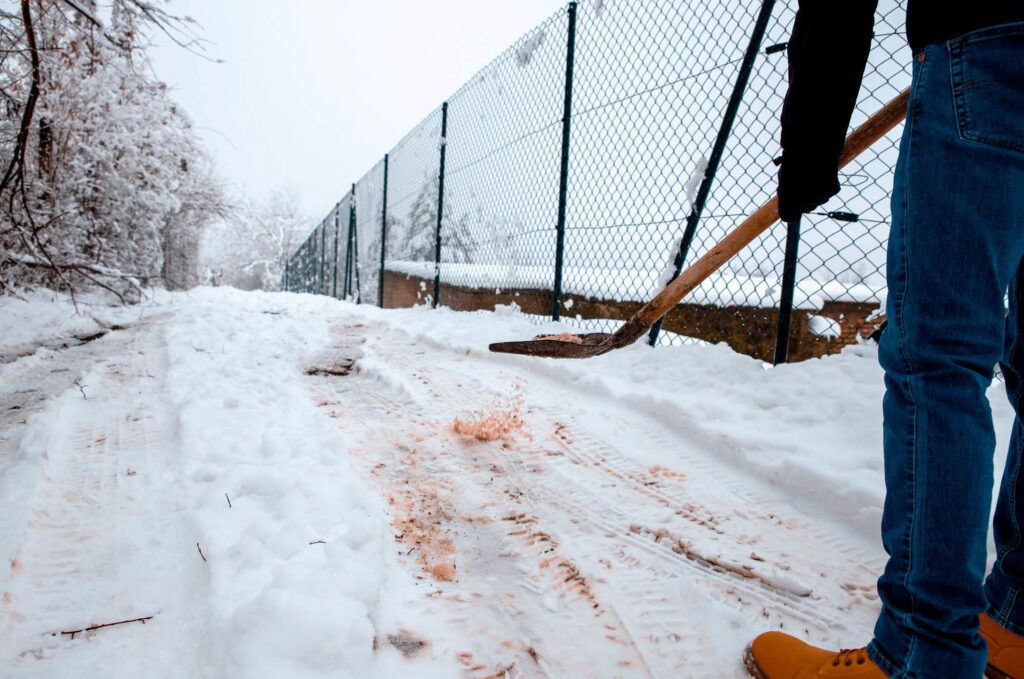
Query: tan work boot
[1005, 651]
[775, 655]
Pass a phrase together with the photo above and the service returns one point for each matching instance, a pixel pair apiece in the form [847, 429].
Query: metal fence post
[563, 182]
[782, 332]
[284, 282]
[346, 289]
[440, 203]
[383, 234]
[355, 245]
[731, 110]
[323, 258]
[307, 269]
[307, 262]
[337, 228]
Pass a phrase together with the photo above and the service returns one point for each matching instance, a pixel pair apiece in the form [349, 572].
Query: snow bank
[296, 562]
[43, 318]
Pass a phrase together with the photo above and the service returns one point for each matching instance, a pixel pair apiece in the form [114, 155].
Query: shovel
[594, 344]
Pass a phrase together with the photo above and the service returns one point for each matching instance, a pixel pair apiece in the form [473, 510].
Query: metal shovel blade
[586, 345]
[566, 346]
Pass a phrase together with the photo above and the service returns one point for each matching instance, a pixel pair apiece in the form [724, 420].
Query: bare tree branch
[17, 164]
[86, 14]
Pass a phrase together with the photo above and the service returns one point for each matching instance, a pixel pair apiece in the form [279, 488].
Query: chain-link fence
[598, 156]
[325, 264]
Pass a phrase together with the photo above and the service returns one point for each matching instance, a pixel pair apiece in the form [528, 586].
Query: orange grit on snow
[444, 572]
[499, 422]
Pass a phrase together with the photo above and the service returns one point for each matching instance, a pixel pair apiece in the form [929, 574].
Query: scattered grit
[501, 421]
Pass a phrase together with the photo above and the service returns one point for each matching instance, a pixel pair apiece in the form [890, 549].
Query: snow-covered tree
[250, 249]
[415, 237]
[105, 178]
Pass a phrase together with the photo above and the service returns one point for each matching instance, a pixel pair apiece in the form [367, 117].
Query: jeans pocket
[987, 70]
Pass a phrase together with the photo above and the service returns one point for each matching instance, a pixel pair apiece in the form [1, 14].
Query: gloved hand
[806, 181]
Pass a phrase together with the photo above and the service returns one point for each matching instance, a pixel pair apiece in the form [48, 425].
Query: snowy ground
[289, 486]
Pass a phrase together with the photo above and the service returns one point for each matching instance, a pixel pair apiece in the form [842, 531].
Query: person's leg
[957, 237]
[1003, 586]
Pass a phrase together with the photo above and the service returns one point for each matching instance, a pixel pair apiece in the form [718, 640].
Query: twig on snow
[81, 388]
[318, 542]
[72, 633]
[228, 499]
[201, 552]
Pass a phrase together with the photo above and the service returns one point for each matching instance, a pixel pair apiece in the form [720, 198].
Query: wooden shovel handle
[873, 129]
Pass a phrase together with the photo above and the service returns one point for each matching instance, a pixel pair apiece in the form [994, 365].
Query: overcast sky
[314, 92]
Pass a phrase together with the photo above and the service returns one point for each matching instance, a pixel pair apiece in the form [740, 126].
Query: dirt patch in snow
[342, 368]
[405, 642]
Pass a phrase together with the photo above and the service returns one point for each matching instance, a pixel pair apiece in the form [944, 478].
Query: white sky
[314, 92]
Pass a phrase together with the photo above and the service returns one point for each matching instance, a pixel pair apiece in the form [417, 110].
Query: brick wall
[748, 330]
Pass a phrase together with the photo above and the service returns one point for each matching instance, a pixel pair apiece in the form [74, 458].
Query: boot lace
[848, 657]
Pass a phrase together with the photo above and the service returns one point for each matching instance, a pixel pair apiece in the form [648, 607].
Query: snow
[268, 602]
[696, 177]
[289, 607]
[277, 479]
[822, 326]
[38, 319]
[668, 271]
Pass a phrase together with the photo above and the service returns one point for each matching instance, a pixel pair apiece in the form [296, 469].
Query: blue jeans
[955, 249]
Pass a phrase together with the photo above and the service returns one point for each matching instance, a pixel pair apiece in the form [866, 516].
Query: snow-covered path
[95, 526]
[595, 541]
[296, 487]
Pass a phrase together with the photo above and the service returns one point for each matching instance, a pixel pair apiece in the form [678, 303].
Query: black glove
[806, 181]
[827, 52]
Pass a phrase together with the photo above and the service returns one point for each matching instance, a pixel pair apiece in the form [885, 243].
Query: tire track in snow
[519, 603]
[685, 531]
[672, 491]
[757, 514]
[99, 526]
[768, 528]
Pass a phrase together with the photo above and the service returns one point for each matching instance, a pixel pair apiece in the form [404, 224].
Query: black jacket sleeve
[827, 54]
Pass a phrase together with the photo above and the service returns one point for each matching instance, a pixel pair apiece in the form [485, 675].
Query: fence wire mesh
[504, 149]
[413, 174]
[647, 86]
[370, 233]
[323, 264]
